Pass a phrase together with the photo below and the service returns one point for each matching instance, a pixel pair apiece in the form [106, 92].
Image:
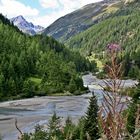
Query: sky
[41, 12]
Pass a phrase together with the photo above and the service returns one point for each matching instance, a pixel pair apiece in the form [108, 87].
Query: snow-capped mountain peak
[25, 26]
[18, 19]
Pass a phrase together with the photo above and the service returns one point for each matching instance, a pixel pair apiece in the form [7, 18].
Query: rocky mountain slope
[25, 26]
[80, 20]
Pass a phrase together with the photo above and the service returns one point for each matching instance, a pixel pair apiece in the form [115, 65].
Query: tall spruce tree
[91, 127]
[132, 110]
[54, 128]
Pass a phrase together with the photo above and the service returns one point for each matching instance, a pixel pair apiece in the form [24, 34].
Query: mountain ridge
[122, 28]
[25, 26]
[81, 19]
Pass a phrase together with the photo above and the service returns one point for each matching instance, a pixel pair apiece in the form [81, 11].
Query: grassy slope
[98, 62]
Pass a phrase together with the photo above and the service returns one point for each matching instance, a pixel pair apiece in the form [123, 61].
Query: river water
[30, 112]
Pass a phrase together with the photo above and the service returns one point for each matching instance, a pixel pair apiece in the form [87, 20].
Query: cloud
[64, 6]
[70, 4]
[49, 3]
[47, 19]
[84, 2]
[13, 8]
[56, 8]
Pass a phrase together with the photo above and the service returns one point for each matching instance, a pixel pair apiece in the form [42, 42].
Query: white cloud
[84, 2]
[67, 6]
[13, 8]
[70, 4]
[49, 3]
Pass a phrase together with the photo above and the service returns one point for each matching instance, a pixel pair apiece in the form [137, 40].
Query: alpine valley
[78, 78]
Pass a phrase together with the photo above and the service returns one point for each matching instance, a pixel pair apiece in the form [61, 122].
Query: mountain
[36, 65]
[81, 19]
[25, 26]
[123, 27]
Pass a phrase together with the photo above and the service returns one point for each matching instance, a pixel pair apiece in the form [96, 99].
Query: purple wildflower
[113, 47]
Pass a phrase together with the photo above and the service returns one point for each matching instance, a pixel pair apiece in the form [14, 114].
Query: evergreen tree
[54, 128]
[39, 134]
[72, 85]
[131, 119]
[26, 60]
[68, 129]
[91, 127]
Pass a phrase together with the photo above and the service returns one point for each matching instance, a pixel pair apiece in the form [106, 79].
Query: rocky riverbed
[30, 112]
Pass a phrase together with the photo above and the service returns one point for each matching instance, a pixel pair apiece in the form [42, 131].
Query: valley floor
[30, 112]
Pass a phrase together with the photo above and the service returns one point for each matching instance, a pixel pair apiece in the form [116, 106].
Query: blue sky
[41, 12]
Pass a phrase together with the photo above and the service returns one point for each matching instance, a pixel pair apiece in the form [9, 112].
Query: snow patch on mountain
[25, 26]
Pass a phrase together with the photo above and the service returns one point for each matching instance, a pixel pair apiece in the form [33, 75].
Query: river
[30, 112]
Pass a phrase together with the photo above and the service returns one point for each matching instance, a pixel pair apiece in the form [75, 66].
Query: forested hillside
[37, 65]
[123, 27]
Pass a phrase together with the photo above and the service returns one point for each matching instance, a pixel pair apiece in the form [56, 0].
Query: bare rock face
[25, 26]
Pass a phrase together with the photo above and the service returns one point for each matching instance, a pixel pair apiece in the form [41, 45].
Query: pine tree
[54, 127]
[91, 120]
[68, 129]
[133, 107]
[72, 85]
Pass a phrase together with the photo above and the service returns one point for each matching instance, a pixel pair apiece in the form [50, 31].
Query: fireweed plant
[110, 115]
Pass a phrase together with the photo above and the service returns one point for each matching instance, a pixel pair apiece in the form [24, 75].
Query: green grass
[110, 9]
[35, 80]
[113, 8]
[99, 62]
